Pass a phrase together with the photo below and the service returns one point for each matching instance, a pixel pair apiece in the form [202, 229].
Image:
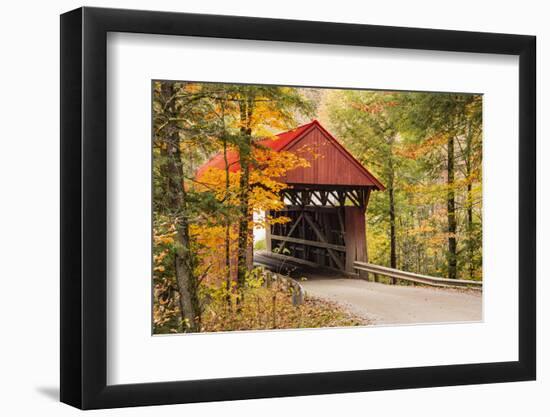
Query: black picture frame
[84, 207]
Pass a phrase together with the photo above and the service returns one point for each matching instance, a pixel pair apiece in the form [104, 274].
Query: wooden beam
[323, 239]
[339, 248]
[312, 195]
[288, 208]
[306, 197]
[341, 198]
[282, 244]
[336, 198]
[367, 196]
[355, 236]
[330, 203]
[293, 197]
[326, 197]
[341, 222]
[293, 259]
[353, 198]
[323, 197]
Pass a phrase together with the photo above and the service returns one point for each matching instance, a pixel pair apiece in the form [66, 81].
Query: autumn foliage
[425, 148]
[204, 218]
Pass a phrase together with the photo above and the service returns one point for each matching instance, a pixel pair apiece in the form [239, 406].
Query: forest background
[426, 148]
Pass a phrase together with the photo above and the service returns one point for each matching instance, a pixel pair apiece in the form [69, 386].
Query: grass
[268, 309]
[260, 245]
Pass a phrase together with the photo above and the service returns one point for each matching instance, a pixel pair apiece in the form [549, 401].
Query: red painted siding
[330, 163]
[355, 236]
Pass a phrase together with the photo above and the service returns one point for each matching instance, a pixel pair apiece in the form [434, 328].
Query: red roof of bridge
[332, 172]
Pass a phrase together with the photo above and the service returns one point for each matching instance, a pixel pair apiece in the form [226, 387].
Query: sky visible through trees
[426, 148]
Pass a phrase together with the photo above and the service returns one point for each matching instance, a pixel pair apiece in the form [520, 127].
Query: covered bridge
[326, 201]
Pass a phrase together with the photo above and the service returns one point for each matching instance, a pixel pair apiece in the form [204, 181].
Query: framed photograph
[258, 208]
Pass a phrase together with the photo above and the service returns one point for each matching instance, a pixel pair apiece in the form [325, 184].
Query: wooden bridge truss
[319, 197]
[326, 227]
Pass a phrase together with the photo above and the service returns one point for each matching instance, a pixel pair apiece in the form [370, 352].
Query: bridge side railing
[416, 278]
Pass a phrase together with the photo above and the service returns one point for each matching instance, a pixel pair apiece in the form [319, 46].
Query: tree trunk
[451, 210]
[227, 224]
[177, 202]
[166, 185]
[245, 151]
[469, 203]
[242, 249]
[250, 247]
[243, 227]
[227, 238]
[391, 195]
[393, 254]
[185, 262]
[470, 233]
[187, 282]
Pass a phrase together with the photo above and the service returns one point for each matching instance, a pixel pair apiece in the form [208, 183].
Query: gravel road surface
[395, 304]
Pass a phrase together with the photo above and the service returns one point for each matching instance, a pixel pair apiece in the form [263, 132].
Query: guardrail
[417, 278]
[296, 290]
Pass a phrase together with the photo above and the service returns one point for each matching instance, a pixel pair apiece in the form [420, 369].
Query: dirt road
[381, 303]
[394, 304]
